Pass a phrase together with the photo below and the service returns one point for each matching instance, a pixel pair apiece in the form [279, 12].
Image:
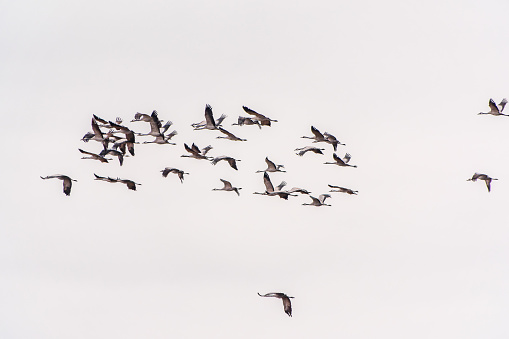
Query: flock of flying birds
[119, 141]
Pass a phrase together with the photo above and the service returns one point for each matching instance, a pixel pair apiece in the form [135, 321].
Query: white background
[419, 252]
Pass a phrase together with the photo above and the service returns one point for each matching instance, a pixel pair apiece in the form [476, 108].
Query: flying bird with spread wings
[486, 178]
[67, 182]
[287, 304]
[496, 109]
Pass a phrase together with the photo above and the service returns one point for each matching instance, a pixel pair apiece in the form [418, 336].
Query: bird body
[342, 190]
[209, 122]
[298, 190]
[287, 304]
[320, 201]
[169, 170]
[317, 135]
[228, 187]
[229, 136]
[304, 150]
[496, 110]
[93, 156]
[271, 167]
[247, 121]
[230, 160]
[341, 162]
[196, 153]
[264, 121]
[270, 191]
[130, 184]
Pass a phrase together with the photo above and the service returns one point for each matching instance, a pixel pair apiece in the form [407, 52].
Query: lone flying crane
[486, 178]
[287, 304]
[67, 182]
[496, 110]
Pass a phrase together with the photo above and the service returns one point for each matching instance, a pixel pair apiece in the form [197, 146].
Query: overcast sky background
[419, 252]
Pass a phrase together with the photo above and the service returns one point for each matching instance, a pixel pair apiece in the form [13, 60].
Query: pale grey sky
[420, 252]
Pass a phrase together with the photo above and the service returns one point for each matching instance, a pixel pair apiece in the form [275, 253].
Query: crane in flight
[247, 121]
[130, 184]
[229, 136]
[342, 190]
[304, 150]
[271, 167]
[67, 182]
[341, 162]
[270, 191]
[287, 304]
[196, 152]
[228, 187]
[320, 201]
[496, 109]
[264, 121]
[230, 160]
[209, 122]
[486, 178]
[93, 156]
[178, 172]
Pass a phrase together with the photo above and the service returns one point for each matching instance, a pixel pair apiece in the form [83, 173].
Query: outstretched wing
[502, 104]
[347, 158]
[270, 164]
[493, 107]
[209, 118]
[317, 133]
[227, 184]
[268, 184]
[287, 304]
